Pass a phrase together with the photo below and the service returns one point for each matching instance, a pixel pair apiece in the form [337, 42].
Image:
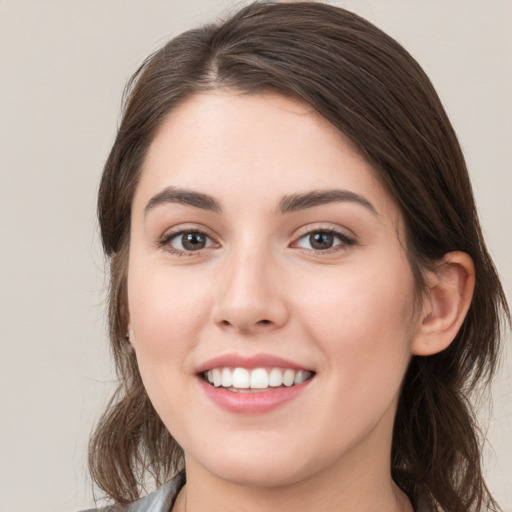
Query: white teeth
[259, 378]
[217, 377]
[241, 378]
[275, 378]
[288, 377]
[300, 377]
[227, 378]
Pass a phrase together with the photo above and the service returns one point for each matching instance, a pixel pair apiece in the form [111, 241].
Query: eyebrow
[288, 204]
[295, 202]
[182, 196]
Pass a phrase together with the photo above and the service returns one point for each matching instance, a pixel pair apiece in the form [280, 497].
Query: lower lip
[253, 402]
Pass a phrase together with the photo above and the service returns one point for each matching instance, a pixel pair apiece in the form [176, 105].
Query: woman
[301, 299]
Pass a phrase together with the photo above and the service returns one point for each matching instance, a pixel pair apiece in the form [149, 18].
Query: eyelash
[344, 241]
[166, 240]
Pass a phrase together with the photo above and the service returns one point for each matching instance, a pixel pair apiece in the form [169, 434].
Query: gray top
[162, 500]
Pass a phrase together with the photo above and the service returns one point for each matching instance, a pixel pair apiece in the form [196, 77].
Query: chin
[263, 470]
[260, 476]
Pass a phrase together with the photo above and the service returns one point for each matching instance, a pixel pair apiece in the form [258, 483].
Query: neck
[289, 500]
[353, 485]
[359, 479]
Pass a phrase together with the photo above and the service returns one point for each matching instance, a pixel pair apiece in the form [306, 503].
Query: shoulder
[161, 500]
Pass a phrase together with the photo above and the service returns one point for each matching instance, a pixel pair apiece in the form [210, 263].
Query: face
[270, 300]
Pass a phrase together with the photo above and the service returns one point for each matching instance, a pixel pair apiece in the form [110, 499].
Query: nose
[250, 297]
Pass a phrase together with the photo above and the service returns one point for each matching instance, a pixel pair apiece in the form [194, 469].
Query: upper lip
[254, 361]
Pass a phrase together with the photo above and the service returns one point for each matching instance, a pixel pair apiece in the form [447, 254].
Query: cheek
[364, 323]
[166, 308]
[167, 311]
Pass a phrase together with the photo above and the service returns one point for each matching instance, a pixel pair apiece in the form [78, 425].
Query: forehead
[231, 118]
[262, 146]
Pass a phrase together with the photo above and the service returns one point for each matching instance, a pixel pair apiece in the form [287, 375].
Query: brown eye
[321, 240]
[324, 240]
[189, 241]
[193, 241]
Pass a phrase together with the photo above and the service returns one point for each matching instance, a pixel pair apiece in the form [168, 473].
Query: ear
[129, 335]
[449, 294]
[130, 338]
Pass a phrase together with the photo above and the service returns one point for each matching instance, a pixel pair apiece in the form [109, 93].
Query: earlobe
[129, 336]
[450, 290]
[127, 319]
[130, 339]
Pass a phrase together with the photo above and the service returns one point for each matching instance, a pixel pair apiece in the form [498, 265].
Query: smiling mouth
[243, 380]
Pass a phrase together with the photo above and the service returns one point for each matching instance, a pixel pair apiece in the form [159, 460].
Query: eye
[323, 240]
[187, 241]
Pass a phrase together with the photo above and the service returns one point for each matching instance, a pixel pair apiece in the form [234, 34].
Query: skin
[349, 313]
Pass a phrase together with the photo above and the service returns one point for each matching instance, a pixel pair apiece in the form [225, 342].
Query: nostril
[264, 322]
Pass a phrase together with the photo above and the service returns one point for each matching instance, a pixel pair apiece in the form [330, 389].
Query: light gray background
[63, 67]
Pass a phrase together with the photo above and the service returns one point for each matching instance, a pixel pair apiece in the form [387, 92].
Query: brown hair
[373, 91]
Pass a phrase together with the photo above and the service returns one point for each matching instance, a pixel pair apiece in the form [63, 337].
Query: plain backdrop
[64, 64]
